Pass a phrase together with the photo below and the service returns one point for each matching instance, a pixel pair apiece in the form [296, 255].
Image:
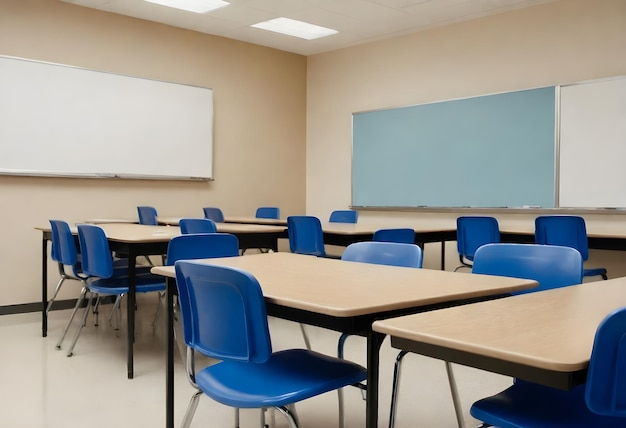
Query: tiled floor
[42, 388]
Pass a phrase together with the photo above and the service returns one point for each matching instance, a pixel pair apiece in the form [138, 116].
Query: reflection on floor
[42, 388]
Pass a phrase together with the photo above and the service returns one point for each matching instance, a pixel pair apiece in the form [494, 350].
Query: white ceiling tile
[358, 21]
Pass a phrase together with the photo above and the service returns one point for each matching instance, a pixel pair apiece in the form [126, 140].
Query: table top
[594, 229]
[343, 289]
[256, 220]
[263, 225]
[552, 330]
[370, 228]
[111, 220]
[131, 232]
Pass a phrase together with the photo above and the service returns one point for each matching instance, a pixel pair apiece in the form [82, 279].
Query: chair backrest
[305, 235]
[197, 225]
[214, 214]
[606, 377]
[63, 244]
[226, 309]
[550, 265]
[564, 230]
[201, 246]
[95, 252]
[404, 235]
[268, 212]
[474, 231]
[147, 215]
[344, 216]
[384, 253]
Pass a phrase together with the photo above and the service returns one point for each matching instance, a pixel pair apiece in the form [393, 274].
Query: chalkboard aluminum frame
[549, 99]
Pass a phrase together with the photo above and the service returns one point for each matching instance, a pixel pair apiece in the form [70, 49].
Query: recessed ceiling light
[291, 27]
[197, 6]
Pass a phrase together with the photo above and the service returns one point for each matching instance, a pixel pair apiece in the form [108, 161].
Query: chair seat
[595, 272]
[119, 285]
[289, 376]
[531, 405]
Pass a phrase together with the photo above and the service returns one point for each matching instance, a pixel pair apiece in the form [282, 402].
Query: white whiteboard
[59, 120]
[593, 145]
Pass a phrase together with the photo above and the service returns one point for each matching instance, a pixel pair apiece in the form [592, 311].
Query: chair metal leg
[395, 386]
[116, 311]
[340, 345]
[158, 311]
[191, 409]
[236, 417]
[291, 417]
[305, 336]
[79, 301]
[262, 419]
[458, 410]
[96, 311]
[70, 351]
[456, 401]
[56, 291]
[361, 386]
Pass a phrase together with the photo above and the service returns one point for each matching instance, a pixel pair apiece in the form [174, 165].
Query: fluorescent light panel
[291, 27]
[196, 6]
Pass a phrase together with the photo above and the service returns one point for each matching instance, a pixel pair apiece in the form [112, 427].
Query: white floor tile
[42, 388]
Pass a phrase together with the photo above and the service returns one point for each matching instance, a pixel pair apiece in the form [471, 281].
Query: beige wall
[556, 43]
[264, 99]
[259, 122]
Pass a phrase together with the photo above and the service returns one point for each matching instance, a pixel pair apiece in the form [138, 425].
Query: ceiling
[358, 21]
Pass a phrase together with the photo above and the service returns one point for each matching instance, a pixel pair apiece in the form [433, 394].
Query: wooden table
[344, 234]
[134, 240]
[129, 239]
[543, 337]
[251, 235]
[256, 220]
[346, 297]
[600, 236]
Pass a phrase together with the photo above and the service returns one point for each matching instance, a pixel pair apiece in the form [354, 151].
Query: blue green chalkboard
[488, 151]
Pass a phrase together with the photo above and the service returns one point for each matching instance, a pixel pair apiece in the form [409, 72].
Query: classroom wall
[556, 43]
[259, 128]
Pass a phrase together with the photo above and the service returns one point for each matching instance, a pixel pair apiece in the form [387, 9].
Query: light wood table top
[594, 229]
[370, 228]
[551, 330]
[251, 227]
[342, 289]
[131, 232]
[111, 220]
[256, 220]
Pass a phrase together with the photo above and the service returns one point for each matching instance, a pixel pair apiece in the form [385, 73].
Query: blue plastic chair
[344, 216]
[147, 215]
[568, 231]
[64, 252]
[306, 235]
[214, 214]
[401, 235]
[228, 321]
[268, 212]
[197, 225]
[471, 233]
[551, 266]
[381, 253]
[601, 402]
[97, 264]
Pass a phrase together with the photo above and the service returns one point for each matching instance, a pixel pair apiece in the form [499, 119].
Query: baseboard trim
[58, 305]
